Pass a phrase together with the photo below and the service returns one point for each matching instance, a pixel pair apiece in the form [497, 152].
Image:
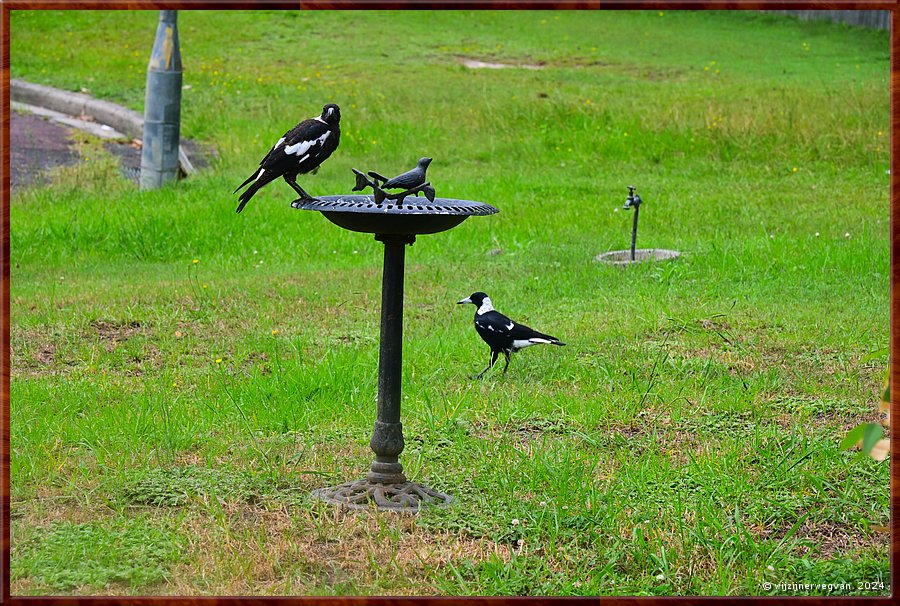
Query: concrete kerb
[78, 104]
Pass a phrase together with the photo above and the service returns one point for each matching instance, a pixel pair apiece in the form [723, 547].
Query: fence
[872, 19]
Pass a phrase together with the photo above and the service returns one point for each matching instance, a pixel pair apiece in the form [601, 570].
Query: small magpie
[301, 150]
[500, 333]
[409, 179]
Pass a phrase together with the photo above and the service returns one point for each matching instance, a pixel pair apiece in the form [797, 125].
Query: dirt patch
[844, 423]
[827, 539]
[677, 442]
[46, 355]
[522, 433]
[113, 331]
[301, 552]
[479, 64]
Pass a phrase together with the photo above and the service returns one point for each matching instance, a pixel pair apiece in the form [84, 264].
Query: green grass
[684, 442]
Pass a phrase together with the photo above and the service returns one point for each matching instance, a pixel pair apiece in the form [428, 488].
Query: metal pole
[162, 106]
[637, 209]
[387, 437]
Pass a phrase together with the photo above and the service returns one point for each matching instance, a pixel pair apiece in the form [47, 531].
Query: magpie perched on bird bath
[500, 333]
[300, 151]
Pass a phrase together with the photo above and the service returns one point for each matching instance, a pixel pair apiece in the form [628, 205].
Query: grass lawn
[183, 377]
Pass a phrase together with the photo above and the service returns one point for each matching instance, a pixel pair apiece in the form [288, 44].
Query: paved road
[35, 145]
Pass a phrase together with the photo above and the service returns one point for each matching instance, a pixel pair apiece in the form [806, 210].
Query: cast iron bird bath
[395, 225]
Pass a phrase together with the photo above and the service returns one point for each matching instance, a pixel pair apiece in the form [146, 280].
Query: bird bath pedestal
[385, 486]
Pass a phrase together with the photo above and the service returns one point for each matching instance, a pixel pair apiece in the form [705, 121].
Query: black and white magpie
[301, 150]
[500, 333]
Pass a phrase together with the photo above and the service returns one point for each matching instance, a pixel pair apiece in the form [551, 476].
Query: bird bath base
[363, 494]
[623, 257]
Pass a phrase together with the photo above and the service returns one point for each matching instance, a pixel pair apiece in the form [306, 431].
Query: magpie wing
[497, 323]
[302, 141]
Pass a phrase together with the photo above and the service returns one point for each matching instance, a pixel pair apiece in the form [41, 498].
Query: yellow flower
[274, 332]
[795, 169]
[195, 261]
[218, 360]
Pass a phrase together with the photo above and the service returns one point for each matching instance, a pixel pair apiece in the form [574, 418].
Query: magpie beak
[466, 300]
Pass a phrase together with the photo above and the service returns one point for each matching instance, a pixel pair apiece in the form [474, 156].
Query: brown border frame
[7, 5]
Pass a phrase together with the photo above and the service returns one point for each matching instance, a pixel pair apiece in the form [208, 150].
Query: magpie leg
[494, 355]
[292, 181]
[506, 355]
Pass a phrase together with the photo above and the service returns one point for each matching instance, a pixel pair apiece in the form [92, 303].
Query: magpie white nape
[500, 333]
[300, 151]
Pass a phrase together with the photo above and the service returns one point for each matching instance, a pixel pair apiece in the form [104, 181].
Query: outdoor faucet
[633, 201]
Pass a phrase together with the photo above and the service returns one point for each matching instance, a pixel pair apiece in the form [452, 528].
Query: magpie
[301, 150]
[409, 179]
[500, 333]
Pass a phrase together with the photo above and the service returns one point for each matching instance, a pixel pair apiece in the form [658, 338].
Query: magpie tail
[249, 179]
[549, 339]
[255, 186]
[245, 197]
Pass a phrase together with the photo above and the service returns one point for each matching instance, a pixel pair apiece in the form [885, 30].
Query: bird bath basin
[396, 225]
[416, 216]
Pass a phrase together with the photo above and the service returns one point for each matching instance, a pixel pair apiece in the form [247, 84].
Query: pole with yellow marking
[162, 106]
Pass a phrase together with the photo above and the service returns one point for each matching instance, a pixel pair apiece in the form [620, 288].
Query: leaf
[854, 437]
[871, 434]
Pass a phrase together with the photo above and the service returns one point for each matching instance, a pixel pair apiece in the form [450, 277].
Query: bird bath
[396, 226]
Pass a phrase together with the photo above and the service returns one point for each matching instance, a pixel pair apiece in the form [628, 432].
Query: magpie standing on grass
[300, 151]
[500, 333]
